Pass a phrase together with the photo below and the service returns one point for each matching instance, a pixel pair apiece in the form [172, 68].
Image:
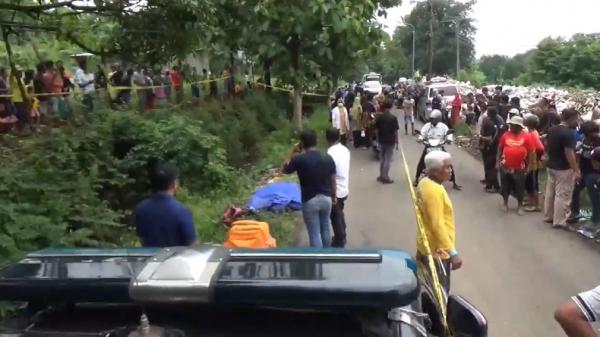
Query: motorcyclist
[434, 129]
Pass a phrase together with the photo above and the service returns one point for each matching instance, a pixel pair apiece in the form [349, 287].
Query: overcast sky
[514, 26]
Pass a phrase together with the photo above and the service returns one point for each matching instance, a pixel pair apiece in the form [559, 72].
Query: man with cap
[437, 213]
[161, 220]
[515, 158]
[434, 129]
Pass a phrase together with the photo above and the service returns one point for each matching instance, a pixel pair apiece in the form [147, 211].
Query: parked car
[211, 291]
[450, 90]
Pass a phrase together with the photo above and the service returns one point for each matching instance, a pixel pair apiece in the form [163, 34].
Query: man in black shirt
[491, 130]
[562, 167]
[386, 128]
[316, 172]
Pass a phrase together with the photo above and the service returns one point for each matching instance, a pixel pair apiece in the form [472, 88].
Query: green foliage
[502, 69]
[473, 75]
[389, 61]
[444, 36]
[76, 187]
[574, 62]
[569, 63]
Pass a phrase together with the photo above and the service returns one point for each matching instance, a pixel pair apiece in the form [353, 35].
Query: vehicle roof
[283, 278]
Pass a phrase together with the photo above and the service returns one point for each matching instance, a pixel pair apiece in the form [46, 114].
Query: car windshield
[448, 91]
[372, 78]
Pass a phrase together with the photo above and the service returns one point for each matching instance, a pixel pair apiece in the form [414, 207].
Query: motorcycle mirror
[464, 320]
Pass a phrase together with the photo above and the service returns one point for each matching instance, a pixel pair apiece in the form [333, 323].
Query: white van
[450, 90]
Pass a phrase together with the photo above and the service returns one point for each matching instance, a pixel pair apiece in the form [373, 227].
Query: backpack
[249, 234]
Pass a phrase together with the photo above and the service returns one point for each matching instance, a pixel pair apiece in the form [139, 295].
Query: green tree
[389, 60]
[574, 62]
[142, 31]
[493, 67]
[438, 13]
[305, 41]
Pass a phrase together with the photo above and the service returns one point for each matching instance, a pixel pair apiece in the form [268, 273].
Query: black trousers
[513, 182]
[421, 168]
[442, 267]
[489, 166]
[338, 223]
[343, 139]
[357, 138]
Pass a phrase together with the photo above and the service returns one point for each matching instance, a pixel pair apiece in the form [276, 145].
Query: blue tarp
[277, 197]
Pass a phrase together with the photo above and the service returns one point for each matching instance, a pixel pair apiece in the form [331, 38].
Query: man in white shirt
[341, 121]
[85, 82]
[341, 158]
[437, 130]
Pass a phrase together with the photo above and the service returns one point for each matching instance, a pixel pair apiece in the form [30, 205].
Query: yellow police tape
[439, 292]
[136, 88]
[292, 90]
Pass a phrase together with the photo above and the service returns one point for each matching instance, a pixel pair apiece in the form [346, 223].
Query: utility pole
[456, 22]
[413, 48]
[456, 25]
[430, 49]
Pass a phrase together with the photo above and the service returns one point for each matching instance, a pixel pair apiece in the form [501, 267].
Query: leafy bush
[76, 186]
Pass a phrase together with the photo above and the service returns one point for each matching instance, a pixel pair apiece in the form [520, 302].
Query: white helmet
[435, 114]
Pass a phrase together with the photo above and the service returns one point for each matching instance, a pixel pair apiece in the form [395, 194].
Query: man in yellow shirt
[437, 214]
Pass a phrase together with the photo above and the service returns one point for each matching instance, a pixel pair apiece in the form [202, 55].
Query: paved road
[516, 269]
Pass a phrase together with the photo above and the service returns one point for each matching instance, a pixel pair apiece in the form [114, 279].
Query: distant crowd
[30, 97]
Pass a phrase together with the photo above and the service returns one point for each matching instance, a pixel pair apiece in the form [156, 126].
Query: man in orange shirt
[515, 158]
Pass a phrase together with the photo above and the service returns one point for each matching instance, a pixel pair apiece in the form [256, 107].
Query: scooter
[432, 144]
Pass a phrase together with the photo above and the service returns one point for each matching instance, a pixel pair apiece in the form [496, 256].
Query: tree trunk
[297, 102]
[294, 50]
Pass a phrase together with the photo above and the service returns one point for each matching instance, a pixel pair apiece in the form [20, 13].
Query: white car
[372, 83]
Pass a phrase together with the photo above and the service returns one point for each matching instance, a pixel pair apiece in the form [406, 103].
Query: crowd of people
[30, 96]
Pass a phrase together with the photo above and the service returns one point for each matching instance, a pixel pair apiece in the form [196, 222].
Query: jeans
[88, 102]
[594, 193]
[559, 190]
[195, 91]
[513, 183]
[338, 223]
[588, 182]
[387, 152]
[316, 213]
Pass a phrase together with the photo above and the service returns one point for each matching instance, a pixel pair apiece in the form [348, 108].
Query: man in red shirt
[177, 82]
[515, 158]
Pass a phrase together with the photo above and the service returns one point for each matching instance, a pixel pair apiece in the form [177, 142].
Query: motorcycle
[434, 144]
